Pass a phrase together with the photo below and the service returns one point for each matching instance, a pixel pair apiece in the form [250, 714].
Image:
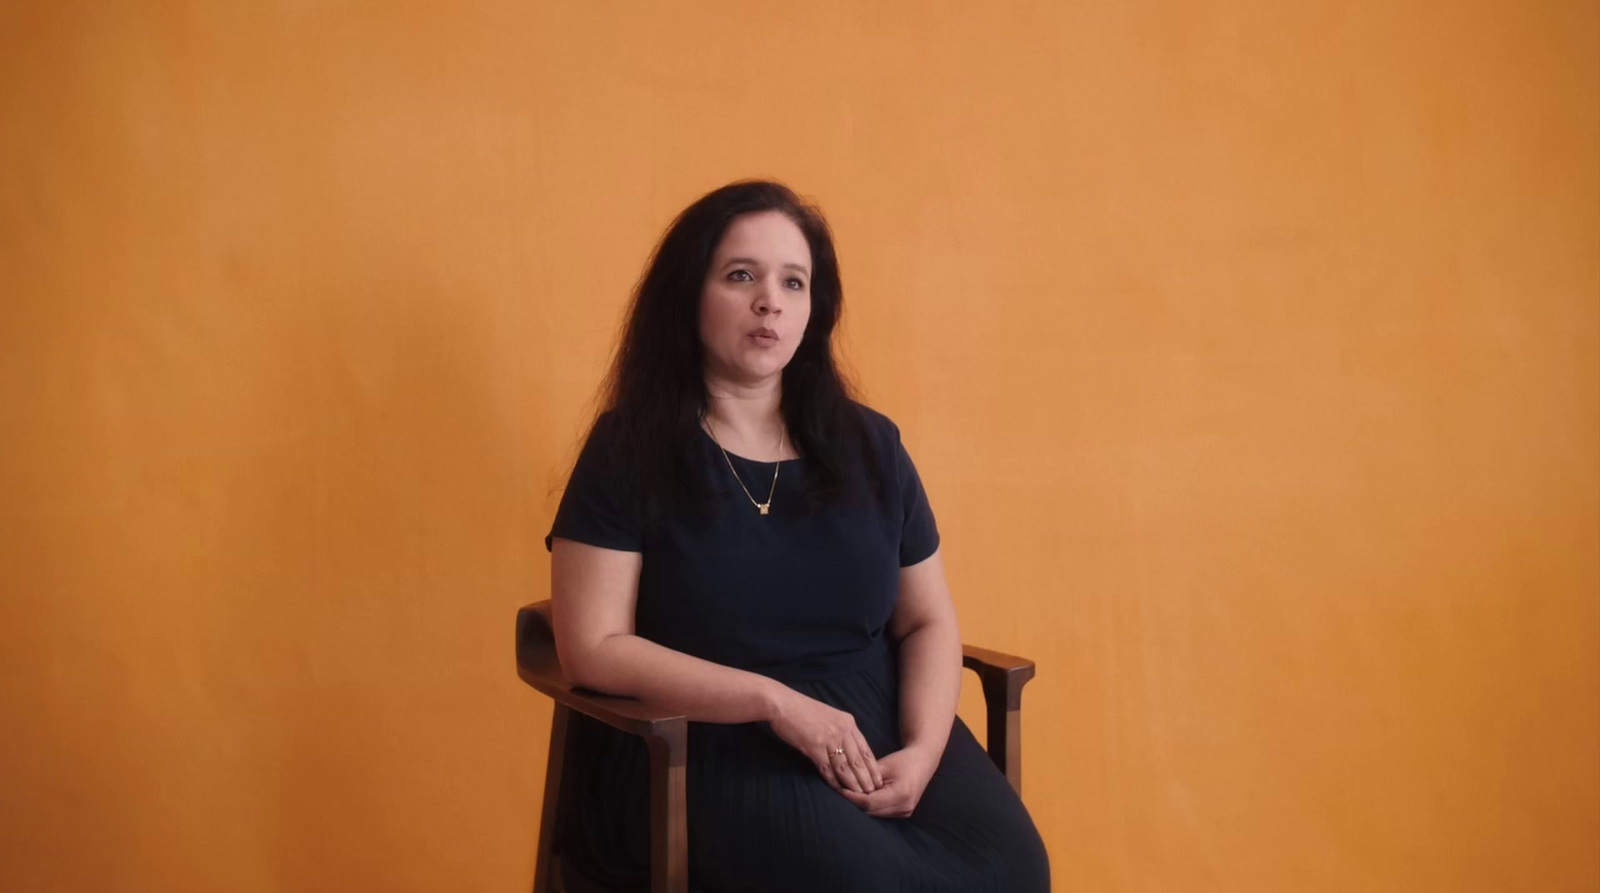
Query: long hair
[655, 390]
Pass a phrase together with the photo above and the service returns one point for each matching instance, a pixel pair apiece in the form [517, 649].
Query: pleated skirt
[762, 819]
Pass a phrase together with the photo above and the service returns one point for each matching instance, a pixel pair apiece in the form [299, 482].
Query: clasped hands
[886, 788]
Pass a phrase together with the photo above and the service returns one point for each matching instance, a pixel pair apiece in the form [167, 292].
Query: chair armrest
[1005, 672]
[629, 715]
[538, 666]
[665, 733]
[1003, 676]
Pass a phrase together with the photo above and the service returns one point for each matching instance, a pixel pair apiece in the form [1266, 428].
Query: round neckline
[707, 438]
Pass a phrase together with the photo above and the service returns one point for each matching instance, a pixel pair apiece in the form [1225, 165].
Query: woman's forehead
[768, 237]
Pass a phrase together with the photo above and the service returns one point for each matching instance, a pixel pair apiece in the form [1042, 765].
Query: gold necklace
[763, 506]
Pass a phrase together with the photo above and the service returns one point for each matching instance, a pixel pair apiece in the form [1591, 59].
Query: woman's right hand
[819, 732]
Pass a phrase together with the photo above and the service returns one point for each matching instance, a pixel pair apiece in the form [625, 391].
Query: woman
[742, 541]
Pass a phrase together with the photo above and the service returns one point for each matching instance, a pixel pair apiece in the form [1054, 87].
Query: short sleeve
[919, 534]
[598, 506]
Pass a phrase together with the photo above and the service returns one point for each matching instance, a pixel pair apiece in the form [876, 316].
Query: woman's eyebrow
[755, 263]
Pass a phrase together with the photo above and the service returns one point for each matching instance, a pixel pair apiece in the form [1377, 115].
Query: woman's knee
[1026, 866]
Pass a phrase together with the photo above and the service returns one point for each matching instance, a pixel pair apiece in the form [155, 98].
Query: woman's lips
[765, 337]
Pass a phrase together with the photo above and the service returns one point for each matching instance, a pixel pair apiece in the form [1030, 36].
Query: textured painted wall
[1250, 352]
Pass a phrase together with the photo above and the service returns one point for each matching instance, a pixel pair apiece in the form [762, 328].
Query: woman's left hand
[905, 776]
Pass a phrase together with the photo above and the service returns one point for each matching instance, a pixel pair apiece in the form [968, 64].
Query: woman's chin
[758, 373]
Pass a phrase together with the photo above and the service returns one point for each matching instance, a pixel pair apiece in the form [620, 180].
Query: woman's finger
[891, 808]
[825, 768]
[871, 761]
[830, 771]
[862, 800]
[860, 758]
[845, 769]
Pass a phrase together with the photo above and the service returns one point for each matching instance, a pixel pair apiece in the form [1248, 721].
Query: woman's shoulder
[879, 426]
[883, 434]
[600, 447]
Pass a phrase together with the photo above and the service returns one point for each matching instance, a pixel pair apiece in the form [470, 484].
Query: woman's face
[756, 298]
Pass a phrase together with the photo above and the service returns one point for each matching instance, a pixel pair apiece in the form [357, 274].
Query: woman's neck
[748, 420]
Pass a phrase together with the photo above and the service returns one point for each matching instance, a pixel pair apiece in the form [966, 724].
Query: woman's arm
[594, 591]
[924, 624]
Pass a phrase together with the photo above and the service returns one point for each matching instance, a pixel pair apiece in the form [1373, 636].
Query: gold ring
[838, 751]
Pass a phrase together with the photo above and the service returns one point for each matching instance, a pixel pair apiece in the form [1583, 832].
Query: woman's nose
[767, 299]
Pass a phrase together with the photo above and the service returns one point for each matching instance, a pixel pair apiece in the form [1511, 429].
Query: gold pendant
[763, 506]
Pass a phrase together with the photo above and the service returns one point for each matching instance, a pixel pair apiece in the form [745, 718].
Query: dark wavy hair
[654, 393]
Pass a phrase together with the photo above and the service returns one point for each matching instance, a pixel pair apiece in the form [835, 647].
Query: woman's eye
[737, 273]
[796, 284]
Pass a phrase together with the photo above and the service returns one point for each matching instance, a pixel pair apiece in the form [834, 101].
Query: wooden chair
[666, 734]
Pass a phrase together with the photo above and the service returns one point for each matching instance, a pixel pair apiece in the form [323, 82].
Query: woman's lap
[971, 828]
[758, 809]
[761, 817]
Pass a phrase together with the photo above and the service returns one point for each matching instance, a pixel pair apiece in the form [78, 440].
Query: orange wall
[1248, 350]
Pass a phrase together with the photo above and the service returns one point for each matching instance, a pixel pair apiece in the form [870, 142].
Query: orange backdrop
[1248, 351]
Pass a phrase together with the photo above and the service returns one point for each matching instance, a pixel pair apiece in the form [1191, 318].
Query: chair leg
[1002, 700]
[669, 818]
[544, 866]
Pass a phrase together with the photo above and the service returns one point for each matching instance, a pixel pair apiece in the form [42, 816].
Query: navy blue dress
[804, 598]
